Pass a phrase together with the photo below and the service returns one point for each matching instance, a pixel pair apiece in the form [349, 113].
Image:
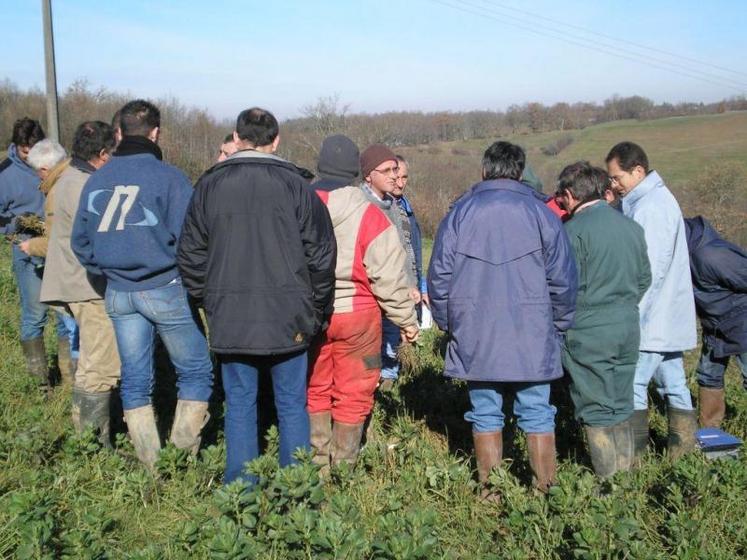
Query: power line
[620, 44]
[587, 44]
[627, 42]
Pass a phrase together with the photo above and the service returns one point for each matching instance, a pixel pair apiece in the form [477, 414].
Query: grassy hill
[695, 155]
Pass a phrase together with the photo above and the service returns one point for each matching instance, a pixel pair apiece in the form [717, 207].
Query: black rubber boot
[36, 360]
[639, 425]
[93, 409]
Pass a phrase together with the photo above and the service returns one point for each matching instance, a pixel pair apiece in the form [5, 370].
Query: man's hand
[409, 333]
[415, 295]
[25, 246]
[425, 299]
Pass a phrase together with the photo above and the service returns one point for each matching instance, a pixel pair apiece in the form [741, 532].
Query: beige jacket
[65, 280]
[371, 261]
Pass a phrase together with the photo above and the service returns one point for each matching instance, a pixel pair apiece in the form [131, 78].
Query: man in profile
[667, 309]
[126, 229]
[502, 284]
[258, 250]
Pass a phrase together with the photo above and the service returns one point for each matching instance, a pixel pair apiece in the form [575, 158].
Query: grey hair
[46, 154]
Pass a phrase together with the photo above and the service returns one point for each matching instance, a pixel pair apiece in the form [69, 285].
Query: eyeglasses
[388, 171]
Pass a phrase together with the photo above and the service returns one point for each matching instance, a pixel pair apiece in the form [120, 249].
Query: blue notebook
[713, 439]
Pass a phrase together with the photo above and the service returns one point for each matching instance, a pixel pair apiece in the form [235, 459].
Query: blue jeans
[136, 316]
[28, 275]
[240, 382]
[532, 408]
[668, 372]
[72, 333]
[711, 369]
[390, 341]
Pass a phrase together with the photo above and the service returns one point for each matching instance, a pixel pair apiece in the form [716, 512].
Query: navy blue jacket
[19, 191]
[502, 282]
[719, 274]
[416, 238]
[129, 220]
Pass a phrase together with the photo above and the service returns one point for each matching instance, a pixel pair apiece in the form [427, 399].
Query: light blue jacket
[668, 308]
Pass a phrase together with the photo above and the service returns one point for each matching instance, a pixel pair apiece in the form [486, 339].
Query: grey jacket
[65, 280]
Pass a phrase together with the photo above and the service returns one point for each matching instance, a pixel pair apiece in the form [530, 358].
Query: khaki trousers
[98, 365]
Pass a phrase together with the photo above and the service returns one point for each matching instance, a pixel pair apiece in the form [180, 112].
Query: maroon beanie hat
[373, 156]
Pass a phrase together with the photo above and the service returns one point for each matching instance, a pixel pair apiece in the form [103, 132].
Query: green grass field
[413, 493]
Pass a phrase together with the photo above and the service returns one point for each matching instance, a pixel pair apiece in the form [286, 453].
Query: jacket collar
[504, 185]
[82, 165]
[253, 156]
[649, 183]
[134, 145]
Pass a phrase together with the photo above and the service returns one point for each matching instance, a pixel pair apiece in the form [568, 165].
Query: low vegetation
[413, 494]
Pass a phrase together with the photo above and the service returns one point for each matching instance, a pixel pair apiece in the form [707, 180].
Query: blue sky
[378, 55]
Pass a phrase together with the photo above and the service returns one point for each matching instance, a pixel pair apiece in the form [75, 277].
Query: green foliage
[412, 495]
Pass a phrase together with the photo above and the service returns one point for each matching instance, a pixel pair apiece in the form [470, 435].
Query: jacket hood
[16, 159]
[344, 202]
[699, 232]
[530, 179]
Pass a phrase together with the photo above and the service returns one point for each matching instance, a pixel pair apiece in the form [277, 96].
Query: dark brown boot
[488, 454]
[36, 360]
[65, 361]
[541, 449]
[189, 419]
[639, 426]
[712, 407]
[682, 427]
[346, 442]
[321, 436]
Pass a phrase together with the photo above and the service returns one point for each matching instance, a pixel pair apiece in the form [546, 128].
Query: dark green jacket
[601, 350]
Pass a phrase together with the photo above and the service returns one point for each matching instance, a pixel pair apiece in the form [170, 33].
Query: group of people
[318, 280]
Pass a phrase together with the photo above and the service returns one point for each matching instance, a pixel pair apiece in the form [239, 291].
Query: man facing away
[126, 229]
[67, 283]
[370, 280]
[502, 284]
[719, 275]
[667, 309]
[20, 194]
[258, 250]
[601, 349]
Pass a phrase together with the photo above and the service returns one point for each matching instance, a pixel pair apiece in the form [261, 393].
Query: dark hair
[228, 138]
[628, 156]
[503, 160]
[401, 159]
[27, 132]
[117, 120]
[90, 138]
[584, 181]
[138, 118]
[257, 126]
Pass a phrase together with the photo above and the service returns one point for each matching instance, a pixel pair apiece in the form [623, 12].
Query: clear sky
[380, 55]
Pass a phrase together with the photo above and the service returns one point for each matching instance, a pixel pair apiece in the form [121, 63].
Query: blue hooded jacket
[719, 274]
[502, 282]
[19, 191]
[416, 238]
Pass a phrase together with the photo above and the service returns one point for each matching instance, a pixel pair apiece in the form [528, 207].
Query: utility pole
[53, 115]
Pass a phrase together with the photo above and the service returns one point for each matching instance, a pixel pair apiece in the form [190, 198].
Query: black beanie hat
[338, 158]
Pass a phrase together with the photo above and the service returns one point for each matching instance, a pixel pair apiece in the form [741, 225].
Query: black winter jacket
[258, 251]
[719, 273]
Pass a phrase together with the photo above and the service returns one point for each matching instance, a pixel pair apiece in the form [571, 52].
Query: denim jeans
[390, 341]
[28, 275]
[668, 372]
[240, 382]
[532, 408]
[136, 317]
[711, 369]
[73, 334]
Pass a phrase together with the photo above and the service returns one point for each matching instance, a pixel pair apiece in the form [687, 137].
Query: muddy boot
[141, 423]
[682, 427]
[65, 361]
[541, 449]
[488, 455]
[36, 361]
[624, 447]
[639, 426]
[346, 442]
[92, 409]
[601, 441]
[321, 436]
[189, 419]
[712, 407]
